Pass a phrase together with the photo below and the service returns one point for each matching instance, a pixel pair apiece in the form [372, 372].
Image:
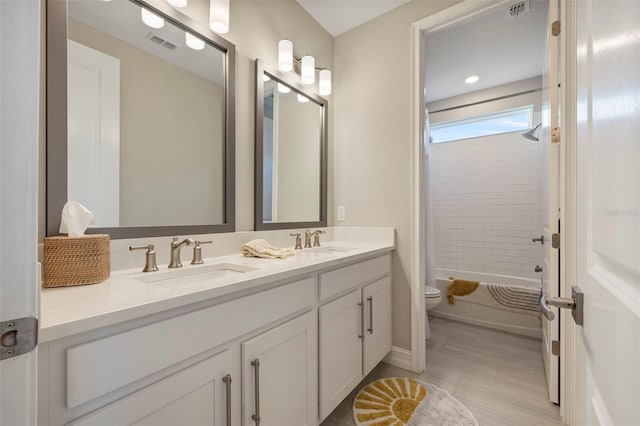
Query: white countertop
[70, 310]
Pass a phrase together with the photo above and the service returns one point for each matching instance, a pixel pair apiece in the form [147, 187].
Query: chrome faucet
[316, 238]
[175, 251]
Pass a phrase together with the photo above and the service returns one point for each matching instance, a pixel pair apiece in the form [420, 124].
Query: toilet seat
[431, 292]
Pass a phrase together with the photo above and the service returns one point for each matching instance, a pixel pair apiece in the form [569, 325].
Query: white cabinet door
[196, 395]
[377, 326]
[340, 350]
[279, 373]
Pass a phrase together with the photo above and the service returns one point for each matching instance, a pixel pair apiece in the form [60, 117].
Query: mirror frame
[259, 224]
[56, 123]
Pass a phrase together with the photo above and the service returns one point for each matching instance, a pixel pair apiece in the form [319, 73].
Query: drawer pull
[256, 366]
[227, 381]
[361, 334]
[370, 329]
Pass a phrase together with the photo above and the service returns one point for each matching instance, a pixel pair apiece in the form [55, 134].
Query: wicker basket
[75, 261]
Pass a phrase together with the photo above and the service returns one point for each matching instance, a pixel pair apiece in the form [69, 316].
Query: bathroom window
[512, 120]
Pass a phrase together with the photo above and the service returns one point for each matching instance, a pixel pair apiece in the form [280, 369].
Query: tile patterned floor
[498, 376]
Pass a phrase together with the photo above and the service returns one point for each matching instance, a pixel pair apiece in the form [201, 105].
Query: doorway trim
[439, 20]
[570, 378]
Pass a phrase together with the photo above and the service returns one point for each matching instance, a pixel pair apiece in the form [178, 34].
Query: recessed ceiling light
[471, 79]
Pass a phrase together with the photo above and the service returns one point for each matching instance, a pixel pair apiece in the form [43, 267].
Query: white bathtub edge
[523, 331]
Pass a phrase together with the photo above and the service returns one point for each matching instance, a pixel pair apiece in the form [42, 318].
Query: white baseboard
[399, 357]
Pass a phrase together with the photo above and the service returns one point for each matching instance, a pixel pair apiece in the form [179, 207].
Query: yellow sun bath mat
[400, 401]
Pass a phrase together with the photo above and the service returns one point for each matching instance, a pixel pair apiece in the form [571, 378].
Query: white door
[550, 267]
[608, 212]
[279, 375]
[377, 324]
[19, 282]
[93, 110]
[340, 350]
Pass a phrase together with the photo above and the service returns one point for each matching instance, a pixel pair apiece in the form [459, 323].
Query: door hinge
[555, 241]
[17, 337]
[555, 347]
[555, 135]
[555, 28]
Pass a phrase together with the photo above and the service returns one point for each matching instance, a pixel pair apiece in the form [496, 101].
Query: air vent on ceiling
[517, 9]
[161, 41]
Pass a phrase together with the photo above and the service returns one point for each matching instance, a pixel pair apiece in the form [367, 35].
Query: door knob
[575, 303]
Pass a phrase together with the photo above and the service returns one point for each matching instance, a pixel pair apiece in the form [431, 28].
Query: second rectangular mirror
[291, 153]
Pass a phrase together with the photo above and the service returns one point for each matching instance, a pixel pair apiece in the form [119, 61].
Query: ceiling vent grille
[517, 9]
[161, 41]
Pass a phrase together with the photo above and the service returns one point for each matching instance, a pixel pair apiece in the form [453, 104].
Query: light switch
[341, 214]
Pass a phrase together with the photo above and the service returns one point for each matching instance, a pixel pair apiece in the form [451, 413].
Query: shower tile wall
[488, 204]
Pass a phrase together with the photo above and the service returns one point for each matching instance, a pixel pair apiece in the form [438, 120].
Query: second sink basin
[331, 249]
[196, 274]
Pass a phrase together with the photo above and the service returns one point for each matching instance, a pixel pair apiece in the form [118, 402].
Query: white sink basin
[195, 274]
[331, 249]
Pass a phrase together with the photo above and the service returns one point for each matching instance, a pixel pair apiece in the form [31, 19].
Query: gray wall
[372, 146]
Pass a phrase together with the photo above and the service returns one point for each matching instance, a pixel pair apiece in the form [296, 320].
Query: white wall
[488, 204]
[371, 151]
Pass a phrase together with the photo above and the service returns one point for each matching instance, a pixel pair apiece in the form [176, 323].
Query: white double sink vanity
[236, 341]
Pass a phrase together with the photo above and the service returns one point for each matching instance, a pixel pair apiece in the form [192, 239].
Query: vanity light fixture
[324, 85]
[151, 19]
[283, 88]
[302, 98]
[177, 3]
[219, 16]
[193, 42]
[307, 67]
[285, 55]
[471, 79]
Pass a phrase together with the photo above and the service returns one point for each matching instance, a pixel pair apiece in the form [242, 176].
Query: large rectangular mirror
[140, 119]
[291, 153]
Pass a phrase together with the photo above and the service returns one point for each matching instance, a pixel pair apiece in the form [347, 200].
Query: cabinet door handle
[370, 329]
[227, 381]
[256, 371]
[361, 334]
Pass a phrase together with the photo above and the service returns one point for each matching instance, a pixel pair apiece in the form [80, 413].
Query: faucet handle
[150, 264]
[197, 252]
[298, 240]
[316, 237]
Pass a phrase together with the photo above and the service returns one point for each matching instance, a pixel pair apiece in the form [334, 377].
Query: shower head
[532, 134]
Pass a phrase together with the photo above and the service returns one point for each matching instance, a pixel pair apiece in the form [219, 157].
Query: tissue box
[76, 261]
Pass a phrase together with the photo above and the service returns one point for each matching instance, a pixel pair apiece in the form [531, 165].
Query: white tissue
[75, 219]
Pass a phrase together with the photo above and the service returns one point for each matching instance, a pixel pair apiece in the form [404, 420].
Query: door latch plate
[555, 347]
[555, 241]
[17, 337]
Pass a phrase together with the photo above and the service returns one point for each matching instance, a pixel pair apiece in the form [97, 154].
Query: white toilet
[432, 298]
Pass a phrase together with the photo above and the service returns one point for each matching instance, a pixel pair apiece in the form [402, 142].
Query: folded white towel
[261, 248]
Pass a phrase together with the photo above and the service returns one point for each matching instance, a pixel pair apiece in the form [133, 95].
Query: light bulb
[302, 98]
[282, 88]
[219, 16]
[151, 19]
[324, 85]
[471, 79]
[193, 42]
[177, 3]
[308, 71]
[285, 55]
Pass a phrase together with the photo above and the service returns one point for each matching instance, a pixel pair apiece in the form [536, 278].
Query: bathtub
[525, 324]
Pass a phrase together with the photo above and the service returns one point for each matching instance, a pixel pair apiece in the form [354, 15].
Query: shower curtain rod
[499, 98]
